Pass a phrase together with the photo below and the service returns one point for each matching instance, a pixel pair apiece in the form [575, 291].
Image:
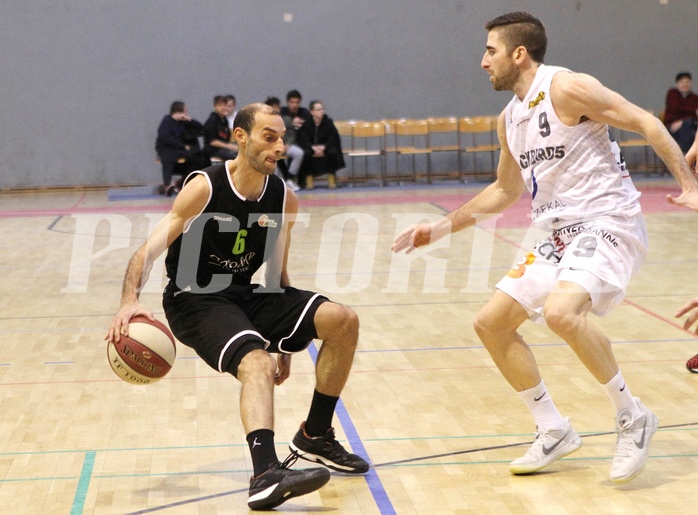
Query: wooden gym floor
[424, 403]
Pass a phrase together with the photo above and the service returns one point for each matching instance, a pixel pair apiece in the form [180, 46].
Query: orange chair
[367, 140]
[443, 137]
[477, 135]
[412, 139]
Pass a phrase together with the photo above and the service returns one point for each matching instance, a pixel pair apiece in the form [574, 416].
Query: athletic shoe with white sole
[327, 451]
[292, 185]
[279, 484]
[548, 446]
[692, 364]
[632, 443]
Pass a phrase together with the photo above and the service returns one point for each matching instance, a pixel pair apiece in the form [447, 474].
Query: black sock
[320, 414]
[262, 449]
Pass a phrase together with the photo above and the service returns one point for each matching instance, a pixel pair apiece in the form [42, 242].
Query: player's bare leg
[256, 374]
[566, 312]
[338, 328]
[273, 482]
[496, 325]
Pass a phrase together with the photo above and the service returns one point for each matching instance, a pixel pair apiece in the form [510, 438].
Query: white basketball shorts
[600, 255]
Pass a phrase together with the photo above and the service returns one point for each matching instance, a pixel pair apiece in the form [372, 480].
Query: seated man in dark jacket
[177, 146]
[321, 146]
[217, 142]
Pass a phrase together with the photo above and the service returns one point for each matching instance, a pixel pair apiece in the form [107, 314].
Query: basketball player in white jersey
[554, 141]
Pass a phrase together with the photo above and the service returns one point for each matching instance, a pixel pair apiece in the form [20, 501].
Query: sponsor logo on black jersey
[265, 221]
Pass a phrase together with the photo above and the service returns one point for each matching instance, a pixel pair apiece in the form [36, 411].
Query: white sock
[620, 396]
[543, 408]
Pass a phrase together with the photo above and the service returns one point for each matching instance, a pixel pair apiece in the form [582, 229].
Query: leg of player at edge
[565, 312]
[338, 328]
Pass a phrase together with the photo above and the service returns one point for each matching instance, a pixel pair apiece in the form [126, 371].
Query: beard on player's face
[505, 79]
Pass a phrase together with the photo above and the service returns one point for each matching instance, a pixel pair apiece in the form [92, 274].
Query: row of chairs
[409, 139]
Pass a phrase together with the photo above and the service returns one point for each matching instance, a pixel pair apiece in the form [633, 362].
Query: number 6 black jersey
[229, 240]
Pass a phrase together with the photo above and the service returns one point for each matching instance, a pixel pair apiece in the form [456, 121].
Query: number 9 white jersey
[573, 173]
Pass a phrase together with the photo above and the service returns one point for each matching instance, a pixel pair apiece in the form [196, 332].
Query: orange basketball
[144, 356]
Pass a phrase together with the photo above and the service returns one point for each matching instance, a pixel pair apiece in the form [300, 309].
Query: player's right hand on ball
[119, 324]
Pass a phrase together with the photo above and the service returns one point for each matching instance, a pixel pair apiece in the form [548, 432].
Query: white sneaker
[632, 443]
[292, 185]
[548, 446]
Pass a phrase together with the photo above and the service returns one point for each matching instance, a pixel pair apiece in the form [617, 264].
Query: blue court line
[83, 483]
[380, 496]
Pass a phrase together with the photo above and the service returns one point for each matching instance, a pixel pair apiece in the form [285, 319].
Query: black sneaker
[328, 451]
[172, 190]
[279, 484]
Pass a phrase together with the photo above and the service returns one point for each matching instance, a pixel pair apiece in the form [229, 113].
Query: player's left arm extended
[579, 96]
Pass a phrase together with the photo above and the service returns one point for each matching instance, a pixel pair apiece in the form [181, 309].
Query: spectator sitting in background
[231, 104]
[681, 111]
[178, 139]
[288, 168]
[217, 132]
[299, 115]
[322, 146]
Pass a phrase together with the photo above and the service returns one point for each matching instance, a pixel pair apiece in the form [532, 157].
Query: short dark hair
[294, 93]
[522, 29]
[177, 107]
[219, 99]
[272, 101]
[228, 98]
[246, 116]
[683, 75]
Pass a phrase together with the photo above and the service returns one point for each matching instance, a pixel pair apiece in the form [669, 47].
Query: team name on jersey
[240, 264]
[531, 157]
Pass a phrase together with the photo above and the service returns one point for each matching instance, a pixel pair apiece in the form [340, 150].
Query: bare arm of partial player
[691, 305]
[499, 195]
[576, 96]
[188, 204]
[283, 361]
[692, 156]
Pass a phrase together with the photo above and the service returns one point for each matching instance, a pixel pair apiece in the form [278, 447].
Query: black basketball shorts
[223, 327]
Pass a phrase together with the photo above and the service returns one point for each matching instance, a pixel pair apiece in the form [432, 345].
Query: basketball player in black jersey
[228, 220]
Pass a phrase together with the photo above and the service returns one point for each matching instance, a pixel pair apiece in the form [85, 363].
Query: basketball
[146, 355]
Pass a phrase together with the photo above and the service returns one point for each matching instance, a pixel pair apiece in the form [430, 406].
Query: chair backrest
[344, 127]
[411, 128]
[476, 124]
[368, 129]
[449, 124]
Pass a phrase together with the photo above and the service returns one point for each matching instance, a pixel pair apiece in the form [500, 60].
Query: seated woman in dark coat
[321, 146]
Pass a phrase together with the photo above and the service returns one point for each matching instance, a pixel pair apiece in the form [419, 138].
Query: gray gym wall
[84, 83]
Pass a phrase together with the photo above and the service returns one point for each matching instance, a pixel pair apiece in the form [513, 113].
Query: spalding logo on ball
[144, 356]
